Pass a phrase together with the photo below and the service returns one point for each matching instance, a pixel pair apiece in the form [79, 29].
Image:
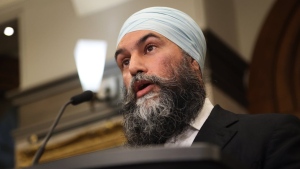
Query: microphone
[85, 96]
[75, 100]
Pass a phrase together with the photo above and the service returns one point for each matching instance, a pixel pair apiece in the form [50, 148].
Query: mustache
[160, 82]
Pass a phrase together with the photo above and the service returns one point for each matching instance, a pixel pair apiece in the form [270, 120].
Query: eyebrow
[139, 42]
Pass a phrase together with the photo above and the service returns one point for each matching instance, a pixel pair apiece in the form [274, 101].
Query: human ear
[195, 65]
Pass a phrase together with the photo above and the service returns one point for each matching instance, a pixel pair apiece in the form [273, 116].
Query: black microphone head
[85, 96]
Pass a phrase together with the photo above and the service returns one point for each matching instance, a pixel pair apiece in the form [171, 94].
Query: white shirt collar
[187, 137]
[203, 114]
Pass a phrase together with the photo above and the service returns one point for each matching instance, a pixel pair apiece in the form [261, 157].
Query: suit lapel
[219, 128]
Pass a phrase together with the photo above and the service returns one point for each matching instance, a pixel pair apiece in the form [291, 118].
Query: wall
[250, 16]
[50, 29]
[237, 22]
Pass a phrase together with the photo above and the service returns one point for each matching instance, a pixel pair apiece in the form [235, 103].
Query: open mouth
[143, 87]
[140, 85]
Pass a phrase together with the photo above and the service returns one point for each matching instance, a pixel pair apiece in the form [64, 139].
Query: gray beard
[158, 116]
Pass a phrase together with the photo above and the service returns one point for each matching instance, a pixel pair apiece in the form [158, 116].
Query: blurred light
[84, 7]
[90, 60]
[8, 31]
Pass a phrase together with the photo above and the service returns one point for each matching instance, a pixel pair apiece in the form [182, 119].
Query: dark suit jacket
[256, 141]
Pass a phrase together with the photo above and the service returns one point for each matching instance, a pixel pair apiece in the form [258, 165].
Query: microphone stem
[40, 151]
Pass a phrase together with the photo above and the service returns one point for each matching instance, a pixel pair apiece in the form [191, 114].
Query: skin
[150, 53]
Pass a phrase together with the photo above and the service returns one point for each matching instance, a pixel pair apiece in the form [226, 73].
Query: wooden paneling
[104, 136]
[274, 72]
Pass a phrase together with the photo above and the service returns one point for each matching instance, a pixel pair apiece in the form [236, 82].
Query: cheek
[159, 67]
[126, 80]
[168, 66]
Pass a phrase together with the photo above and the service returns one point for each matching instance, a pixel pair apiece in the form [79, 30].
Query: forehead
[135, 36]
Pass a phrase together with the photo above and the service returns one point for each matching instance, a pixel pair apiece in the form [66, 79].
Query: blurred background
[252, 66]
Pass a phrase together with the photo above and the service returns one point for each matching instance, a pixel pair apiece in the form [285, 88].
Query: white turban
[175, 25]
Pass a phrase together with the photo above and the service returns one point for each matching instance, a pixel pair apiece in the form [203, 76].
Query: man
[161, 53]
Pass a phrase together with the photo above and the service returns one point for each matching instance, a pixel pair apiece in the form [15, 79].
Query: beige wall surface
[237, 22]
[50, 29]
[250, 15]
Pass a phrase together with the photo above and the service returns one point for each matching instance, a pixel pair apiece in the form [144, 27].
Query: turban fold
[175, 25]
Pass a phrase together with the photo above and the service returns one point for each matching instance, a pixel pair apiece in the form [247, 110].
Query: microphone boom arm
[41, 150]
[75, 100]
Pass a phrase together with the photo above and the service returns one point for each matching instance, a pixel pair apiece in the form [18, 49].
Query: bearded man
[161, 53]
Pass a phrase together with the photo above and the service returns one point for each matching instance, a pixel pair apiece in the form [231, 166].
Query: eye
[125, 62]
[149, 48]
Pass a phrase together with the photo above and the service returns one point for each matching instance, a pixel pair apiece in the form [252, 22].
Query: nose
[137, 65]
